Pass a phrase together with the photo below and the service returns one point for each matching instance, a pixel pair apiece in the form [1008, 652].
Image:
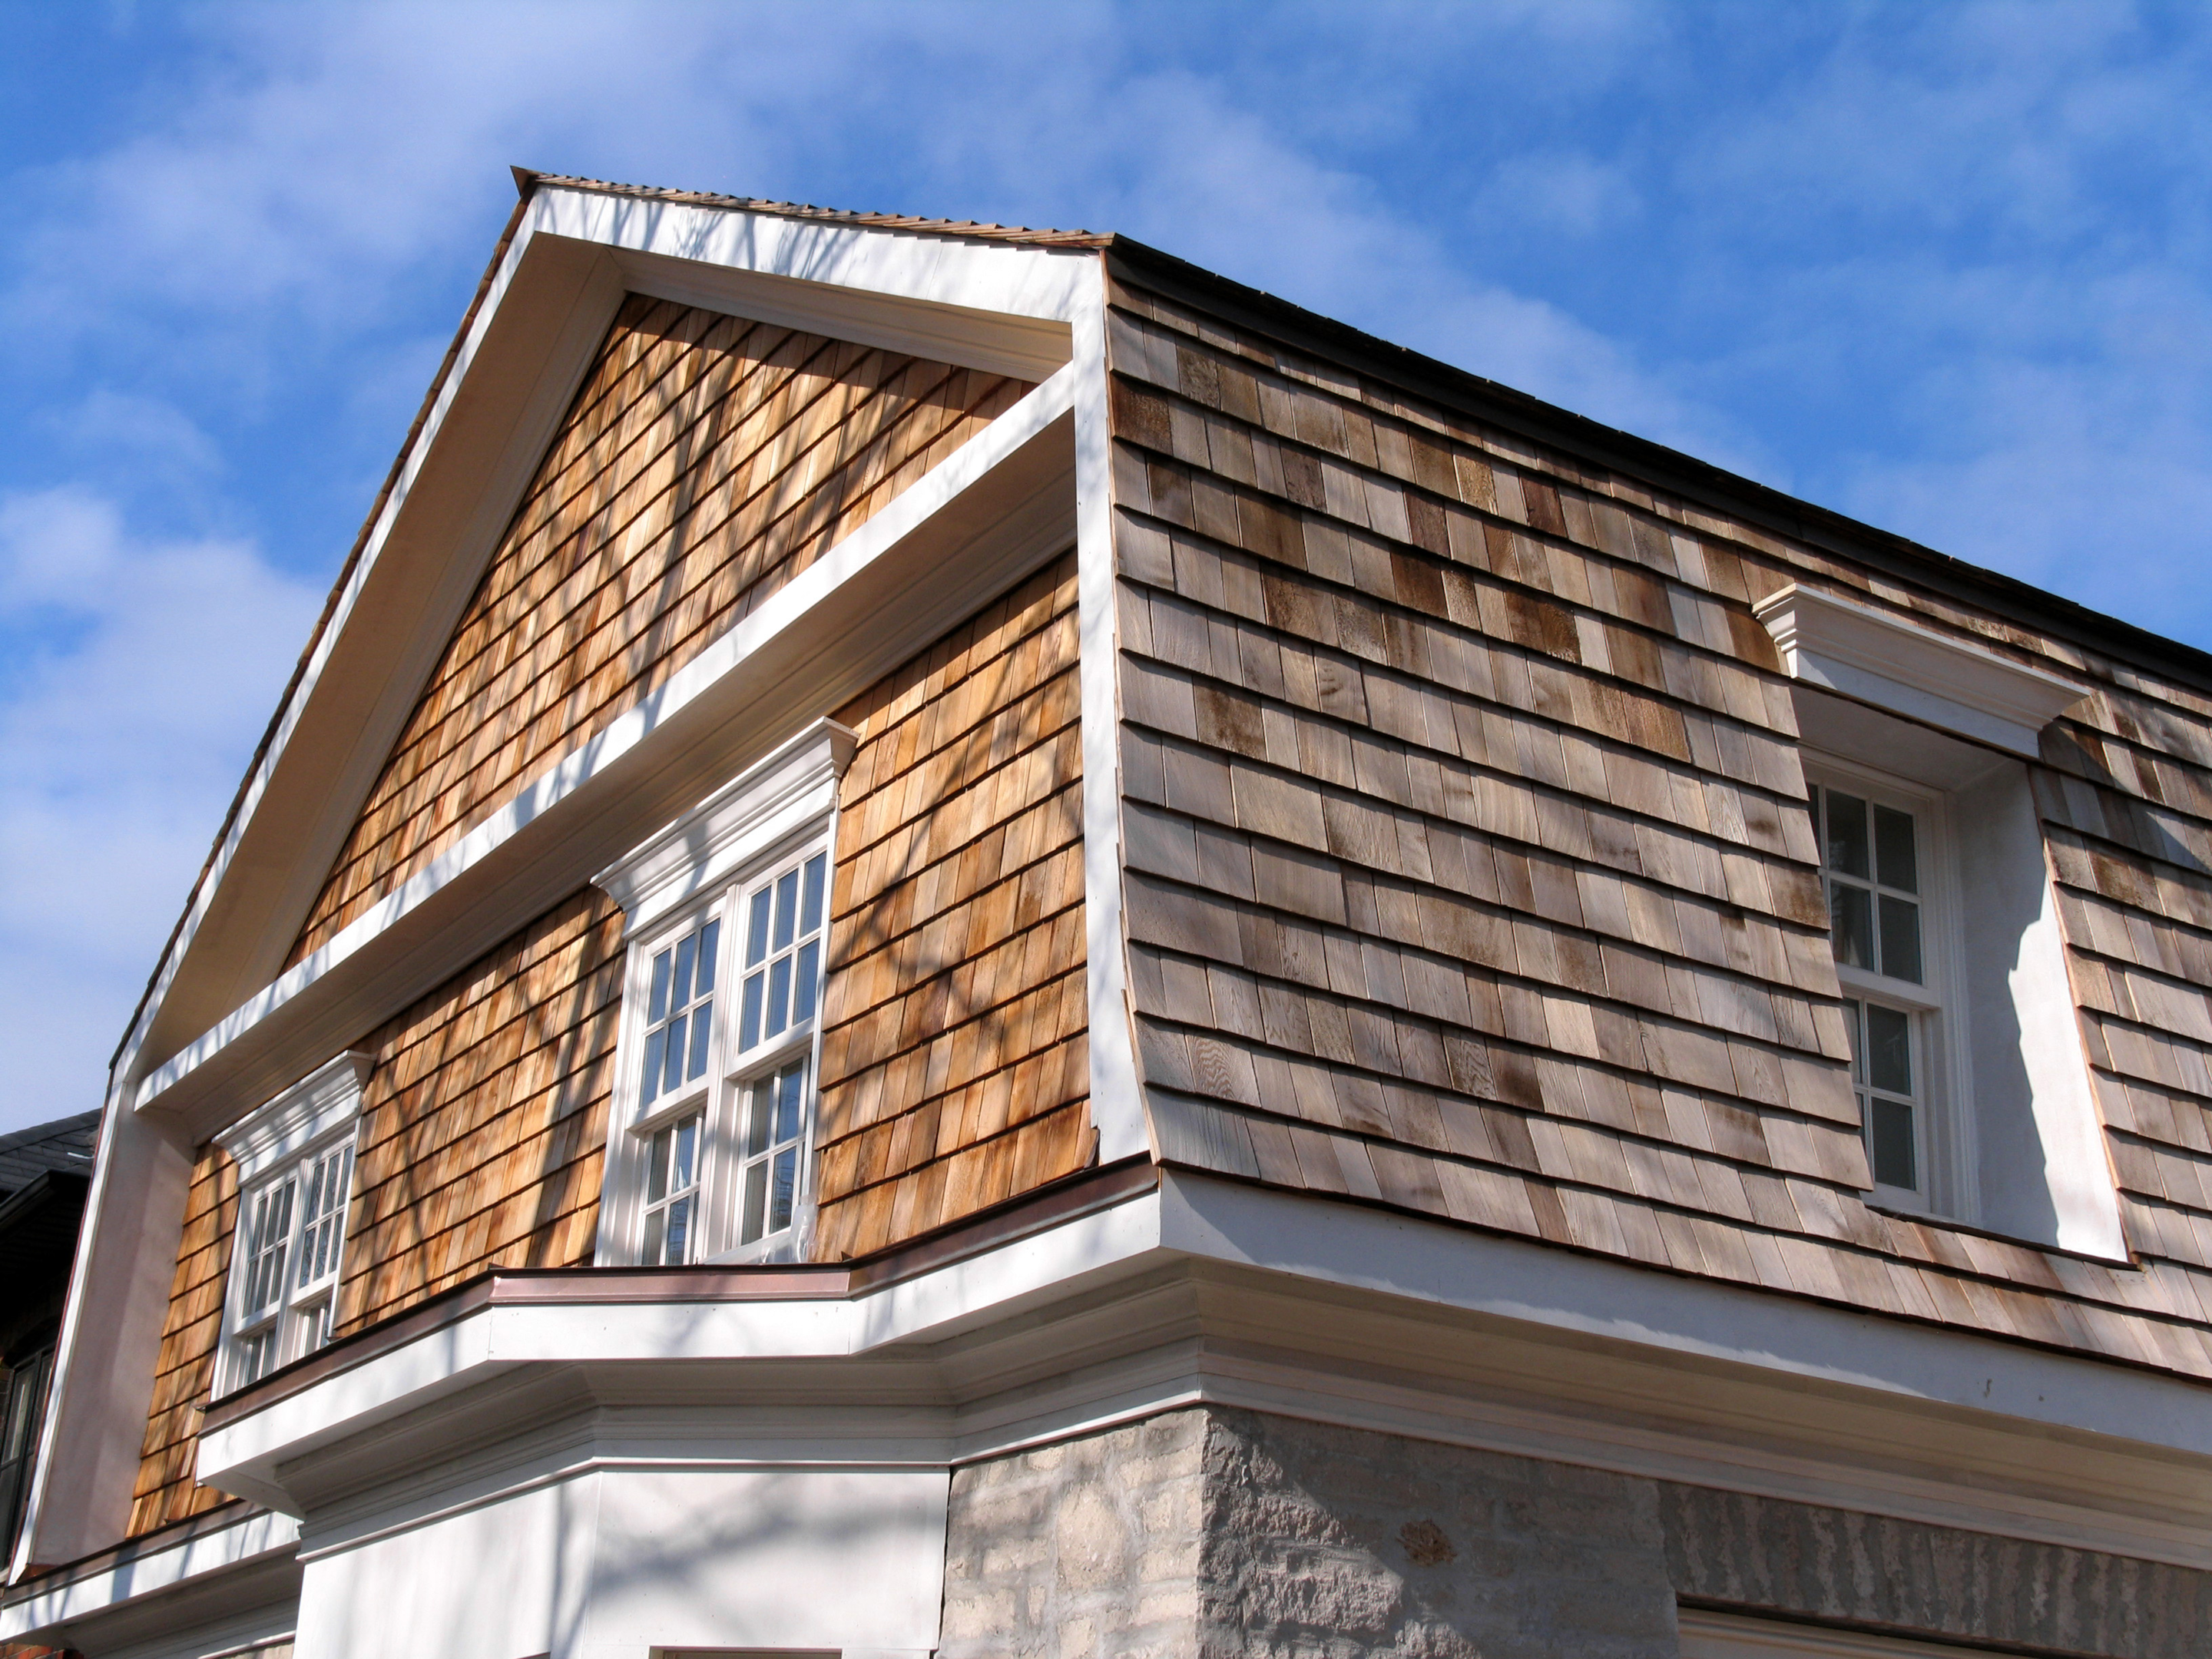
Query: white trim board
[1208, 1290]
[1880, 658]
[594, 791]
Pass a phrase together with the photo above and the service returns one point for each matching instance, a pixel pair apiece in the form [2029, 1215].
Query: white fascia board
[242, 1457]
[1117, 1110]
[1390, 1255]
[136, 1575]
[962, 298]
[1884, 659]
[574, 776]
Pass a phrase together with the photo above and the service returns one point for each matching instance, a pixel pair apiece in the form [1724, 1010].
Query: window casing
[710, 1159]
[294, 1159]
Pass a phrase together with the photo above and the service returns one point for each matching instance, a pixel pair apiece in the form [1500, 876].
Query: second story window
[295, 1158]
[714, 1110]
[1875, 851]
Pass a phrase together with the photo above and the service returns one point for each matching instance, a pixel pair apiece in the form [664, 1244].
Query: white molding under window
[1879, 658]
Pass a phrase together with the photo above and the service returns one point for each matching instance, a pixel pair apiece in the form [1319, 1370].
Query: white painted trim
[726, 656]
[1117, 1110]
[1881, 659]
[136, 1575]
[547, 305]
[735, 825]
[319, 1102]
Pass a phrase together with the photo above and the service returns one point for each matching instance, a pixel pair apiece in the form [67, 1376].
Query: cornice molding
[1879, 658]
[739, 822]
[318, 1103]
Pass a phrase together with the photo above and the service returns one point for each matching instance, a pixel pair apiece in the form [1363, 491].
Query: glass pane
[757, 930]
[1900, 938]
[1854, 1021]
[657, 1007]
[787, 907]
[653, 1223]
[703, 1022]
[779, 994]
[810, 911]
[749, 1023]
[679, 1225]
[710, 941]
[1847, 834]
[1895, 862]
[756, 1202]
[655, 1044]
[1851, 920]
[808, 976]
[687, 1146]
[788, 1087]
[1891, 1135]
[787, 1181]
[671, 1074]
[763, 1119]
[656, 1169]
[1889, 1049]
[685, 950]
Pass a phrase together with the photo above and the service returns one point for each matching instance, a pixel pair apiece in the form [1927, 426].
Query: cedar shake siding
[705, 461]
[955, 1063]
[182, 1376]
[1469, 872]
[484, 1122]
[482, 1127]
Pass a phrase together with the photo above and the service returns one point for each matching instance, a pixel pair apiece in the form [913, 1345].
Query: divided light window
[1873, 854]
[291, 1236]
[723, 1098]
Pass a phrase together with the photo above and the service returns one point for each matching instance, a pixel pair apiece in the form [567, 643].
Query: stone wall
[1088, 1547]
[1229, 1535]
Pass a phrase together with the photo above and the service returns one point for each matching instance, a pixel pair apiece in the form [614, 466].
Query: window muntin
[775, 1126]
[680, 1011]
[721, 1111]
[783, 953]
[289, 1251]
[1875, 864]
[672, 1193]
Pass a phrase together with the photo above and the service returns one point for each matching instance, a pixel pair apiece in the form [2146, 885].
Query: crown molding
[318, 1103]
[736, 824]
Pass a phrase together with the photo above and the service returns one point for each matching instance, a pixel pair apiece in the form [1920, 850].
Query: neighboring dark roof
[65, 1144]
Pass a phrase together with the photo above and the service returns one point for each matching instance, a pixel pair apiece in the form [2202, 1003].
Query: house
[958, 941]
[44, 1172]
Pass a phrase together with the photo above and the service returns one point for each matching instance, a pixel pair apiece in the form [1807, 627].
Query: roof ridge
[526, 179]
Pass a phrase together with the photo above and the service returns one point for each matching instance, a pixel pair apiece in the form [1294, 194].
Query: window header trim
[284, 1127]
[1881, 659]
[740, 822]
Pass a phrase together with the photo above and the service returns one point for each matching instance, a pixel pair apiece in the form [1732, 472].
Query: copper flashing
[510, 1287]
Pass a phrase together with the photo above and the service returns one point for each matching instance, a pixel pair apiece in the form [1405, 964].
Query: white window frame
[307, 1132]
[1943, 1135]
[771, 819]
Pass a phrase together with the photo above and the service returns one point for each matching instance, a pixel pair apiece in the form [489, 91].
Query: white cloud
[141, 672]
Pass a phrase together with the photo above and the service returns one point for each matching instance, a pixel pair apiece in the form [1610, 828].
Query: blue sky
[1942, 267]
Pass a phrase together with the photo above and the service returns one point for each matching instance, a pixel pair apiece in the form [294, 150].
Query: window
[729, 914]
[294, 1159]
[1871, 860]
[22, 1414]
